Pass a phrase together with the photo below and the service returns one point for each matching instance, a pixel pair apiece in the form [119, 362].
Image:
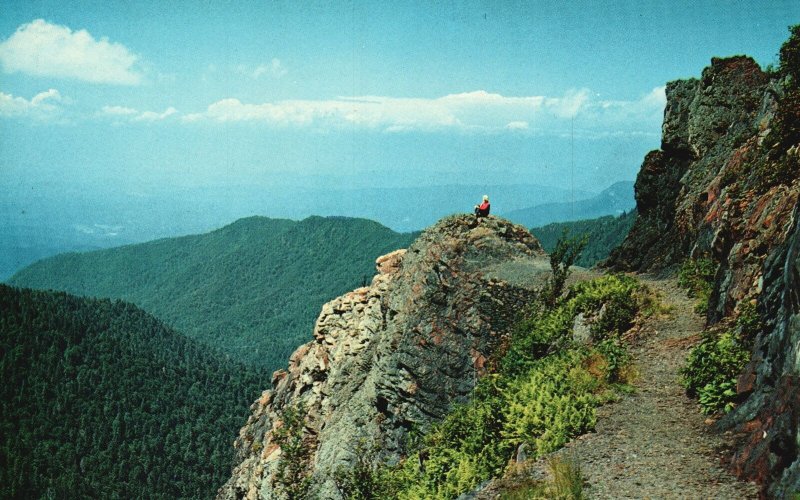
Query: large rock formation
[725, 186]
[704, 194]
[392, 356]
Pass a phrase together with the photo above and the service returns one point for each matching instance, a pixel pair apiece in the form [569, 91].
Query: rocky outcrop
[725, 186]
[702, 194]
[391, 356]
[769, 416]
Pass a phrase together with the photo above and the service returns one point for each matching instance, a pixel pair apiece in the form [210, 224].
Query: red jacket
[483, 208]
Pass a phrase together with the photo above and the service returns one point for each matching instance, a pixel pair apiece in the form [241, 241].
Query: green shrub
[546, 408]
[544, 395]
[790, 55]
[563, 256]
[535, 337]
[546, 330]
[291, 474]
[618, 293]
[749, 321]
[617, 358]
[697, 277]
[712, 368]
[460, 452]
[526, 489]
[364, 479]
[565, 483]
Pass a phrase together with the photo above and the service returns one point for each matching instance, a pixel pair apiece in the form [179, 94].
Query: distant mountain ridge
[64, 219]
[252, 288]
[614, 200]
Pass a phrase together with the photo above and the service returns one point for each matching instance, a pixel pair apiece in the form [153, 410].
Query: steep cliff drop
[724, 187]
[392, 356]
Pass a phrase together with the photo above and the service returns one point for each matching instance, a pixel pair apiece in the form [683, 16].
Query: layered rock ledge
[393, 356]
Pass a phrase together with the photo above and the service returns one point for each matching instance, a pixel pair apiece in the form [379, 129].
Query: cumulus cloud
[40, 48]
[470, 111]
[152, 116]
[122, 113]
[629, 114]
[577, 112]
[118, 111]
[41, 106]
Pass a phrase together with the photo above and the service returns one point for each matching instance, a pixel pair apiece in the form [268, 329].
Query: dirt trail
[654, 443]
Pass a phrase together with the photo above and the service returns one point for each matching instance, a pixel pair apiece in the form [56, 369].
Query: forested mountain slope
[101, 400]
[603, 235]
[252, 288]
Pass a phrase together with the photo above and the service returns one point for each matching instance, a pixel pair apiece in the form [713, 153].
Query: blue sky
[340, 94]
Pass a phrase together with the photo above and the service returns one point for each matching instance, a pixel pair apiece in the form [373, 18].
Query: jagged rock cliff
[769, 416]
[394, 355]
[724, 186]
[705, 192]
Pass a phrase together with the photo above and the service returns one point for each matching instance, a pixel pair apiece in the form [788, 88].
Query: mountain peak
[394, 355]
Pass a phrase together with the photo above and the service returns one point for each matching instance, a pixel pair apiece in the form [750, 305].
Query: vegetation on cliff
[252, 289]
[101, 400]
[697, 277]
[544, 392]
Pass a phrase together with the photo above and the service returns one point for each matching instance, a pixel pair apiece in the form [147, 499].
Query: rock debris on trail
[655, 443]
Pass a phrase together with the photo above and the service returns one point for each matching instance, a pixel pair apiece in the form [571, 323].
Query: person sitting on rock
[482, 210]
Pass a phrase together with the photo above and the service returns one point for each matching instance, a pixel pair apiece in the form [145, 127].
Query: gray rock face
[770, 414]
[684, 191]
[392, 356]
[704, 194]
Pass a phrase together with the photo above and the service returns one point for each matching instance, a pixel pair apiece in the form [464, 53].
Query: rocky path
[655, 443]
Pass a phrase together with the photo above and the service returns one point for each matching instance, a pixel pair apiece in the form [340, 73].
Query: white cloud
[42, 106]
[152, 116]
[125, 113]
[576, 112]
[118, 111]
[630, 114]
[518, 125]
[470, 111]
[40, 48]
[274, 69]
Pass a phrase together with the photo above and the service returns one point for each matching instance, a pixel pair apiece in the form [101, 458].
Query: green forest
[253, 288]
[100, 399]
[604, 234]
